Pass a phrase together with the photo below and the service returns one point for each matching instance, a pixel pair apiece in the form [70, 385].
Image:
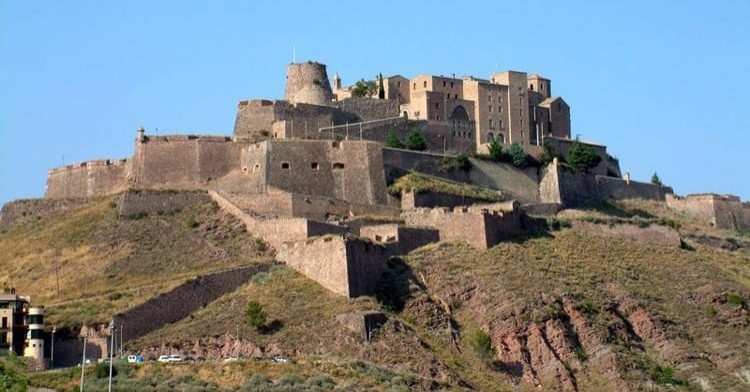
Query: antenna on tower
[294, 54]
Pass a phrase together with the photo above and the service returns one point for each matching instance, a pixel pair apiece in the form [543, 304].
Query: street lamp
[112, 330]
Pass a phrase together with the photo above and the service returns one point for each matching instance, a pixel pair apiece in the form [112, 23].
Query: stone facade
[134, 202]
[405, 238]
[86, 179]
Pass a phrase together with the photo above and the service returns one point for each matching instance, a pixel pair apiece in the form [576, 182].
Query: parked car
[281, 359]
[163, 358]
[135, 359]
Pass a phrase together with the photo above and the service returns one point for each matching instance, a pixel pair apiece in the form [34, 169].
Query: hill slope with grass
[564, 309]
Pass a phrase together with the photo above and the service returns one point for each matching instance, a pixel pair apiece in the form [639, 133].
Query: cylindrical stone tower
[308, 83]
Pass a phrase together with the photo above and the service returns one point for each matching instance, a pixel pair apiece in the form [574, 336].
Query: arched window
[338, 166]
[490, 137]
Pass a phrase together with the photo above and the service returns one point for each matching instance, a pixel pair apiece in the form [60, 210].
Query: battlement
[187, 138]
[90, 164]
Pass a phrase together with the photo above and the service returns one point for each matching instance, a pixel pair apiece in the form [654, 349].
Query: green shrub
[481, 343]
[191, 222]
[415, 141]
[101, 370]
[735, 299]
[581, 353]
[255, 315]
[393, 141]
[496, 151]
[656, 180]
[463, 162]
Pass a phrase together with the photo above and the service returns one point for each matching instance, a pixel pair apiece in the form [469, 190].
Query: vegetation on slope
[420, 183]
[103, 264]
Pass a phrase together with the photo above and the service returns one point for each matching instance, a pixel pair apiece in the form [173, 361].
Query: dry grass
[418, 183]
[105, 264]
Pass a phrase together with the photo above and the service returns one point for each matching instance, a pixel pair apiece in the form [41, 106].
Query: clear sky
[664, 84]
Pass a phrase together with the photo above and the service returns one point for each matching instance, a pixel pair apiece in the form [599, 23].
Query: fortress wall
[323, 260]
[430, 199]
[366, 262]
[135, 202]
[291, 167]
[183, 161]
[86, 179]
[180, 302]
[20, 211]
[254, 167]
[254, 120]
[501, 226]
[745, 223]
[458, 225]
[308, 83]
[699, 206]
[403, 238]
[278, 231]
[367, 109]
[607, 166]
[618, 189]
[569, 187]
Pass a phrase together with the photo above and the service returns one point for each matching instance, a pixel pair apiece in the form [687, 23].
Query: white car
[170, 358]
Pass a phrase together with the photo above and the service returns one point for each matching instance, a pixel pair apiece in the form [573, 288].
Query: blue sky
[664, 84]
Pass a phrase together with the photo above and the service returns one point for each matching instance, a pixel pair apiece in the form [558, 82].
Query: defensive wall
[721, 211]
[86, 179]
[139, 202]
[346, 266]
[181, 301]
[573, 188]
[481, 226]
[652, 234]
[19, 211]
[346, 170]
[608, 166]
[431, 199]
[403, 238]
[183, 161]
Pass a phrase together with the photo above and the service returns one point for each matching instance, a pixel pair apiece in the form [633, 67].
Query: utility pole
[52, 350]
[122, 327]
[83, 361]
[111, 349]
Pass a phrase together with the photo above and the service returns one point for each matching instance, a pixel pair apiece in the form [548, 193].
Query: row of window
[313, 166]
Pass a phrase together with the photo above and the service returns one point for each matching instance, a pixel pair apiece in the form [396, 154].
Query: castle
[303, 172]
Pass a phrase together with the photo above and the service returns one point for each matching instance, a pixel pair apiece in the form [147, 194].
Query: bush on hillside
[517, 155]
[582, 156]
[415, 141]
[393, 141]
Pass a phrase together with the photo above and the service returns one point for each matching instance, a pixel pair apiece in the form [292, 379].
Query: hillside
[566, 308]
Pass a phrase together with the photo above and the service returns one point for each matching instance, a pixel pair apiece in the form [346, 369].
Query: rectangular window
[437, 105]
[5, 323]
[489, 98]
[490, 108]
[492, 124]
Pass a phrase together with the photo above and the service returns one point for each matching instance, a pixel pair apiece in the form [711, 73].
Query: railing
[359, 125]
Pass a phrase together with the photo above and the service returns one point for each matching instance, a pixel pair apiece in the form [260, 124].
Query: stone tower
[308, 83]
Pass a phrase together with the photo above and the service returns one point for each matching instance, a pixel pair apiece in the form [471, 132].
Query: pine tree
[496, 150]
[255, 315]
[381, 88]
[393, 141]
[517, 155]
[415, 141]
[656, 180]
[582, 156]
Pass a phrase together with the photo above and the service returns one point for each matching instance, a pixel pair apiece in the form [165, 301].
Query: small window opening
[424, 84]
[338, 166]
[314, 165]
[256, 168]
[285, 165]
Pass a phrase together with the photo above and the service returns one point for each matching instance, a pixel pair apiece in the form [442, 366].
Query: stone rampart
[183, 161]
[477, 226]
[346, 266]
[722, 211]
[87, 179]
[431, 199]
[573, 188]
[608, 166]
[619, 189]
[19, 211]
[180, 302]
[403, 238]
[137, 202]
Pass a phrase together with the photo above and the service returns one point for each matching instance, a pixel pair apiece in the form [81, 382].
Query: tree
[656, 180]
[365, 88]
[496, 150]
[582, 156]
[415, 141]
[381, 88]
[517, 155]
[393, 141]
[481, 343]
[255, 315]
[549, 153]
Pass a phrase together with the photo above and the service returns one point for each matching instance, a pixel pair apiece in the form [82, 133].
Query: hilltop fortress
[309, 173]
